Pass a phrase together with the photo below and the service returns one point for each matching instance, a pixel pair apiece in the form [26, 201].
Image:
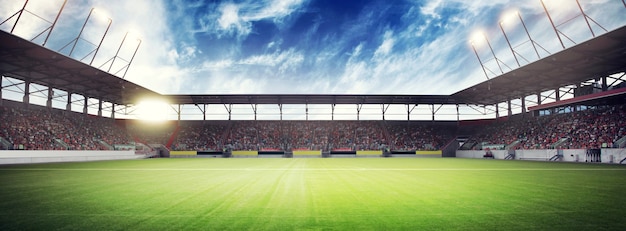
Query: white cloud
[385, 48]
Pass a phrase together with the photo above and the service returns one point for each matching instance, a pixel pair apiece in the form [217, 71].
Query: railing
[5, 144]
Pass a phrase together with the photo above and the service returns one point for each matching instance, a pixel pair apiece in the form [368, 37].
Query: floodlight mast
[117, 54]
[509, 43]
[101, 40]
[585, 17]
[54, 23]
[81, 32]
[131, 59]
[532, 42]
[552, 23]
[19, 16]
[479, 60]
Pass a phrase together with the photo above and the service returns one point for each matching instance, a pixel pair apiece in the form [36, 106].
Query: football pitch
[313, 194]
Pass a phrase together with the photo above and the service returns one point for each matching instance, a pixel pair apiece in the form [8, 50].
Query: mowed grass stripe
[316, 169]
[285, 194]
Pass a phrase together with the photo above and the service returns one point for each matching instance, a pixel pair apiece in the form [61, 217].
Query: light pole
[508, 42]
[81, 32]
[552, 23]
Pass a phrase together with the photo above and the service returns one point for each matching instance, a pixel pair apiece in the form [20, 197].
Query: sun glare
[152, 110]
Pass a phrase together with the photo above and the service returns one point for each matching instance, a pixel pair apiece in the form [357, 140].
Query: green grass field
[313, 194]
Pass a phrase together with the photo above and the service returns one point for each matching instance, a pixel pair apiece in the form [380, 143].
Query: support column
[179, 111]
[539, 98]
[204, 112]
[68, 106]
[280, 107]
[99, 108]
[306, 111]
[229, 109]
[605, 86]
[408, 111]
[112, 111]
[510, 111]
[254, 109]
[458, 116]
[26, 98]
[384, 109]
[50, 95]
[332, 112]
[497, 111]
[523, 105]
[358, 111]
[1, 100]
[85, 105]
[433, 111]
[557, 94]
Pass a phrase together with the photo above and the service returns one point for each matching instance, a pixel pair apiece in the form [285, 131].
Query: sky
[309, 46]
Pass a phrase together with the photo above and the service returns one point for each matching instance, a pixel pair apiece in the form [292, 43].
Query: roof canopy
[601, 56]
[598, 57]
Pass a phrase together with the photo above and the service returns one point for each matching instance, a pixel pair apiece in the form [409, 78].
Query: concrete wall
[44, 156]
[609, 155]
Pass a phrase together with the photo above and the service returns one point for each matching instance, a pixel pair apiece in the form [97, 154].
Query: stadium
[539, 144]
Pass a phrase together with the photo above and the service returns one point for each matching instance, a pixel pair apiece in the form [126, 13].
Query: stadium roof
[310, 99]
[598, 57]
[595, 58]
[27, 61]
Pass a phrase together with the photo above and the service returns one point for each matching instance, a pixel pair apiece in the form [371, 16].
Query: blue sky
[311, 46]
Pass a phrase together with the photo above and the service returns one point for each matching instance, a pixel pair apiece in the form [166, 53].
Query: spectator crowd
[40, 128]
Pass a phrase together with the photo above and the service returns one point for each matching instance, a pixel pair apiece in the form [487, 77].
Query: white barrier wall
[44, 156]
[611, 155]
[497, 154]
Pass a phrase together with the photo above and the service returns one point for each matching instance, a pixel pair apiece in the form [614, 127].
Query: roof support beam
[409, 109]
[384, 109]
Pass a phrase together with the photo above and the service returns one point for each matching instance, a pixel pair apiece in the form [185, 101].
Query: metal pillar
[49, 101]
[112, 111]
[523, 105]
[332, 112]
[254, 108]
[99, 107]
[586, 19]
[26, 98]
[358, 111]
[280, 107]
[557, 94]
[101, 40]
[54, 23]
[552, 23]
[85, 105]
[497, 111]
[532, 42]
[510, 47]
[408, 111]
[80, 33]
[68, 106]
[510, 111]
[539, 98]
[480, 61]
[494, 54]
[131, 59]
[19, 16]
[384, 109]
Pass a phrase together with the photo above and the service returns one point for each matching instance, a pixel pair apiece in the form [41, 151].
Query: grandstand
[589, 120]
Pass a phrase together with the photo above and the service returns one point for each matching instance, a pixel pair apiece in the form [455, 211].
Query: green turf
[313, 194]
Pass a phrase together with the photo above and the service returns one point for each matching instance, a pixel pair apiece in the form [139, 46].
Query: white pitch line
[311, 169]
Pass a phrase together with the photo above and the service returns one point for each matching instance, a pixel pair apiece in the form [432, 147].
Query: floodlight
[153, 110]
